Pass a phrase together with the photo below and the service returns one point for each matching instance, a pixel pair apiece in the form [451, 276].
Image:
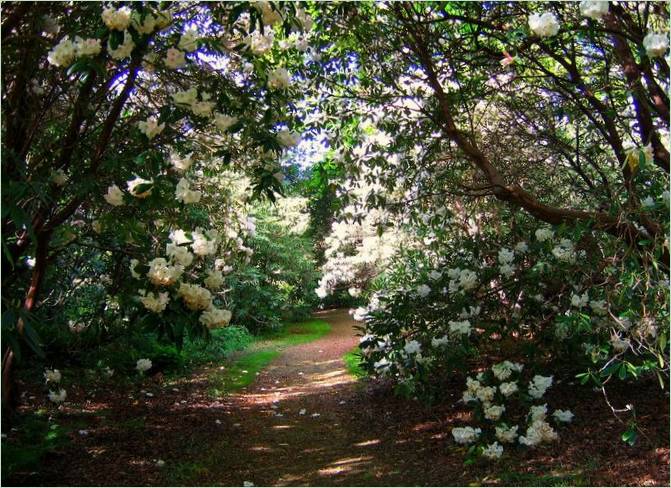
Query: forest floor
[306, 421]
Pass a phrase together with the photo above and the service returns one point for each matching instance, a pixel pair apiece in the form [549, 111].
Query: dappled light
[326, 243]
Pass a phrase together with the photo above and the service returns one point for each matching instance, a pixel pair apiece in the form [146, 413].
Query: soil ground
[306, 421]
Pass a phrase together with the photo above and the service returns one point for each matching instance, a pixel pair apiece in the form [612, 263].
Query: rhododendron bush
[523, 149]
[120, 123]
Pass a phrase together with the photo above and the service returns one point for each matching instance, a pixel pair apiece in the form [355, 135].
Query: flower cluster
[489, 403]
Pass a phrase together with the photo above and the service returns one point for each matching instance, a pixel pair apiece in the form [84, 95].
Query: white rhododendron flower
[214, 317]
[509, 388]
[163, 274]
[87, 47]
[521, 247]
[179, 254]
[544, 234]
[143, 26]
[133, 264]
[539, 385]
[181, 163]
[648, 202]
[354, 292]
[544, 25]
[493, 451]
[116, 19]
[124, 49]
[563, 415]
[507, 270]
[382, 364]
[423, 290]
[260, 44]
[143, 365]
[174, 58]
[134, 184]
[460, 327]
[465, 435]
[468, 279]
[494, 412]
[506, 434]
[288, 138]
[114, 196]
[538, 432]
[503, 370]
[486, 394]
[184, 193]
[201, 245]
[224, 122]
[593, 9]
[154, 302]
[58, 397]
[179, 237]
[565, 251]
[214, 280]
[439, 341]
[279, 79]
[195, 297]
[150, 127]
[52, 375]
[63, 54]
[412, 347]
[186, 97]
[538, 412]
[506, 256]
[656, 44]
[189, 40]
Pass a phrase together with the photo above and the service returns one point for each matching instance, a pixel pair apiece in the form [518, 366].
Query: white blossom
[181, 163]
[52, 375]
[143, 365]
[124, 49]
[174, 58]
[593, 9]
[539, 385]
[544, 25]
[465, 435]
[63, 54]
[214, 317]
[58, 397]
[154, 302]
[184, 193]
[493, 451]
[224, 122]
[114, 196]
[116, 19]
[656, 44]
[134, 184]
[189, 40]
[279, 79]
[150, 127]
[563, 415]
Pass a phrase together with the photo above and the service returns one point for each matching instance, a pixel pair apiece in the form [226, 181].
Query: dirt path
[350, 434]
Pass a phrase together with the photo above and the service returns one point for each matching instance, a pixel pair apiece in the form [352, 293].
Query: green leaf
[629, 436]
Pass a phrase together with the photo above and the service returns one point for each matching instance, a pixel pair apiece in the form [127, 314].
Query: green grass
[352, 363]
[296, 334]
[240, 371]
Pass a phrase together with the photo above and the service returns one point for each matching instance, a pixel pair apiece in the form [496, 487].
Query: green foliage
[353, 363]
[37, 435]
